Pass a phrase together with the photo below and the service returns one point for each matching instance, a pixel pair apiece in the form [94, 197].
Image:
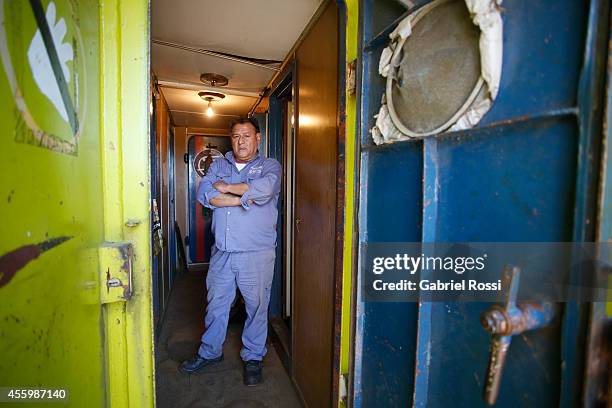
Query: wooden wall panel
[315, 209]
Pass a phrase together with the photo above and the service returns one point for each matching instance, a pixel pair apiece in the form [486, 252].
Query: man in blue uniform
[242, 190]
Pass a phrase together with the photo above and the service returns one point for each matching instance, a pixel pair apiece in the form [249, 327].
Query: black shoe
[197, 363]
[252, 372]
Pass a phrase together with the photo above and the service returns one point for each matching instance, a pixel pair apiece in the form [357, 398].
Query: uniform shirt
[248, 227]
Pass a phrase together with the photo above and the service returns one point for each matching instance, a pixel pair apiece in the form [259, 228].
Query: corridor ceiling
[262, 30]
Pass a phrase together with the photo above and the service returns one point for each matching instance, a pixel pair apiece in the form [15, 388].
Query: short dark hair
[243, 120]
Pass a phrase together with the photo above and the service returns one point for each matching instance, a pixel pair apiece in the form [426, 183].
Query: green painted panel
[51, 211]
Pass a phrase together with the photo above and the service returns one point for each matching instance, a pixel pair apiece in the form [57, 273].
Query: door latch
[505, 320]
[113, 283]
[115, 265]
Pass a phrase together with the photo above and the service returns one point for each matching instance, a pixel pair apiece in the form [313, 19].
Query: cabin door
[75, 276]
[203, 150]
[526, 173]
[315, 210]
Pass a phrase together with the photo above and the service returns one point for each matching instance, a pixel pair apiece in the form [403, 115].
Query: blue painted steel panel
[520, 193]
[521, 177]
[394, 215]
[543, 49]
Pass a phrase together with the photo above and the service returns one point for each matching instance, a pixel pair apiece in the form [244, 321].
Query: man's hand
[236, 189]
[221, 186]
[225, 200]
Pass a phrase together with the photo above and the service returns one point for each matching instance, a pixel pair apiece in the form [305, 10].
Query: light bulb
[209, 111]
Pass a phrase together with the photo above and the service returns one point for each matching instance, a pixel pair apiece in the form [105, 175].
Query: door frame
[125, 100]
[345, 244]
[345, 205]
[157, 285]
[276, 145]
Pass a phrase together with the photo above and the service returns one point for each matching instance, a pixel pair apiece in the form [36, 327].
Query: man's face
[245, 141]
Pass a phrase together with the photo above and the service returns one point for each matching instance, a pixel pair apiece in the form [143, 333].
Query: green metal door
[75, 308]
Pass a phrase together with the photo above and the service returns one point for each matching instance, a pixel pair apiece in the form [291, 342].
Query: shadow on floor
[220, 385]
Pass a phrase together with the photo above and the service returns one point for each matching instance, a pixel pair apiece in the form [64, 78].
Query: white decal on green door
[40, 49]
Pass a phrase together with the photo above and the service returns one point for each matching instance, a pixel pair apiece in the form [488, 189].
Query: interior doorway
[205, 78]
[282, 147]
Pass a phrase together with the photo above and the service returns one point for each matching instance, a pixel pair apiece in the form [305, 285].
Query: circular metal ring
[394, 64]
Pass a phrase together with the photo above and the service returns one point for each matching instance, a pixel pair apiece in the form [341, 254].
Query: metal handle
[506, 320]
[297, 224]
[497, 360]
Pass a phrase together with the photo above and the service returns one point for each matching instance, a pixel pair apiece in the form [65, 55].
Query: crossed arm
[230, 194]
[215, 193]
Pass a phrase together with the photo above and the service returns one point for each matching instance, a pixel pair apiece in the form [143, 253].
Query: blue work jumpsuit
[243, 254]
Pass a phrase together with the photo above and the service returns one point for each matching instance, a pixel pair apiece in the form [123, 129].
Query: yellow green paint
[352, 10]
[49, 322]
[125, 103]
[54, 329]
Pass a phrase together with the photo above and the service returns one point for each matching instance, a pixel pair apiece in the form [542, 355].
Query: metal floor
[220, 385]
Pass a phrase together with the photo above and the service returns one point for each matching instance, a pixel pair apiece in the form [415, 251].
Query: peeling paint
[12, 262]
[132, 223]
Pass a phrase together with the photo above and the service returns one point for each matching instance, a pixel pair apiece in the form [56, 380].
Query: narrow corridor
[218, 386]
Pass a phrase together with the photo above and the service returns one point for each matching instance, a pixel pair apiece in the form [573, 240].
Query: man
[242, 190]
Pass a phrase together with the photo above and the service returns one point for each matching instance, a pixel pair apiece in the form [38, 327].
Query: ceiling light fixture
[212, 79]
[211, 97]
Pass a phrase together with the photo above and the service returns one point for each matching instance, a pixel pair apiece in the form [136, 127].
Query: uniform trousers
[251, 272]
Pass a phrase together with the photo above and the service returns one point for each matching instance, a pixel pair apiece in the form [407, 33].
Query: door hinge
[115, 266]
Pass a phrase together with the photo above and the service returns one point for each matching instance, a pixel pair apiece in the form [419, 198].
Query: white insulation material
[486, 15]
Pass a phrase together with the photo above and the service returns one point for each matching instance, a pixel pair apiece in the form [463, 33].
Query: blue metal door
[202, 151]
[525, 173]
